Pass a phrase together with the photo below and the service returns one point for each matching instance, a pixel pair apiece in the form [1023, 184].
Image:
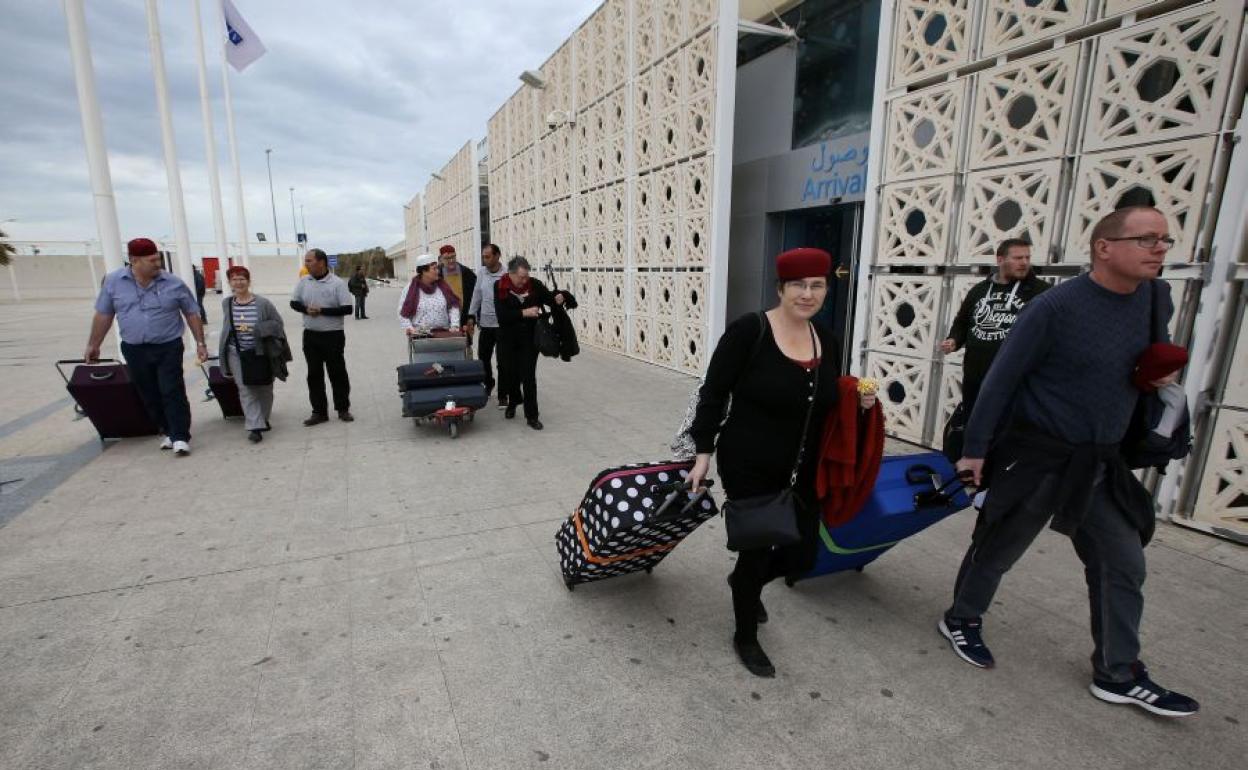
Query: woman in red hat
[780, 370]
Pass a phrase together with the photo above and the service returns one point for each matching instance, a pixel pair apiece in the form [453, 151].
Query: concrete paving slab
[376, 594]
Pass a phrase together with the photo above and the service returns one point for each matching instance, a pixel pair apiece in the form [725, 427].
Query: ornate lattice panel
[1222, 502]
[1016, 202]
[1164, 79]
[692, 344]
[959, 288]
[931, 36]
[666, 346]
[923, 132]
[915, 221]
[904, 314]
[642, 337]
[1113, 7]
[1010, 23]
[903, 392]
[1172, 176]
[1023, 110]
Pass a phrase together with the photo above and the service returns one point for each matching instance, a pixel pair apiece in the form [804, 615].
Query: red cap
[447, 249]
[238, 270]
[141, 247]
[796, 264]
[1160, 359]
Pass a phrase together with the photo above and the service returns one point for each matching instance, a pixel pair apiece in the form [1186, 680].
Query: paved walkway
[377, 595]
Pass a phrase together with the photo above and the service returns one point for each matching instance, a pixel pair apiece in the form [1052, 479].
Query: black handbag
[256, 370]
[544, 337]
[954, 434]
[1143, 446]
[766, 521]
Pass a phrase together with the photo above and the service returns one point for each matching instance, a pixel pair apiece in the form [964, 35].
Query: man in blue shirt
[150, 305]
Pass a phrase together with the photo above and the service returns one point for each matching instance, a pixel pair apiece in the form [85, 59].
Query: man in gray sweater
[1050, 416]
[481, 313]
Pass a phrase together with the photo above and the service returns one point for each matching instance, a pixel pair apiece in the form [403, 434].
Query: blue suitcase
[912, 492]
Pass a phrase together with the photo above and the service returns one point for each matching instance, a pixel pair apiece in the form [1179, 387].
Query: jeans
[326, 351]
[359, 306]
[157, 372]
[486, 345]
[1109, 546]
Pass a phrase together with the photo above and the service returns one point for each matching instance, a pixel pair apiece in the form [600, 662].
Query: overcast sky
[359, 101]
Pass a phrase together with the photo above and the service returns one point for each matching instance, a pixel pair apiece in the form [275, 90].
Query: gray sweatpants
[257, 399]
[1113, 562]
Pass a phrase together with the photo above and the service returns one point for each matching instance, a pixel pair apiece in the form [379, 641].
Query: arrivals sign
[822, 174]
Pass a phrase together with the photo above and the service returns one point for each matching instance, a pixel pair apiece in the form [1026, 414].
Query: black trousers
[359, 305]
[1113, 561]
[517, 366]
[756, 568]
[157, 373]
[486, 345]
[326, 351]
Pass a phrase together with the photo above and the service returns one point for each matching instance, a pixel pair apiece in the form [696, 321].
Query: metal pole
[93, 135]
[177, 206]
[294, 223]
[243, 235]
[268, 155]
[210, 142]
[302, 220]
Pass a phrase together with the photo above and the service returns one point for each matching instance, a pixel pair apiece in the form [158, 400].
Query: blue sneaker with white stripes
[965, 639]
[1145, 693]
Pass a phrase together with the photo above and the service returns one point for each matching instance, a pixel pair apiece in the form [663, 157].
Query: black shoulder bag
[771, 520]
[256, 370]
[1144, 445]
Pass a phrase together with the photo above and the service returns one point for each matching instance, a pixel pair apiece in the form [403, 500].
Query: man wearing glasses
[1050, 416]
[150, 305]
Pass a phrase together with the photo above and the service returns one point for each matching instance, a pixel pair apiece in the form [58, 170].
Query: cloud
[359, 102]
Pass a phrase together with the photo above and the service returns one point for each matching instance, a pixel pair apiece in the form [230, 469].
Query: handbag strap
[810, 408]
[234, 331]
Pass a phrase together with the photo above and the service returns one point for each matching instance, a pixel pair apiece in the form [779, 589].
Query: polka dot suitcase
[629, 520]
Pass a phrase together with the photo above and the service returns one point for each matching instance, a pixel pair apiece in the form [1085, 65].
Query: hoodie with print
[985, 319]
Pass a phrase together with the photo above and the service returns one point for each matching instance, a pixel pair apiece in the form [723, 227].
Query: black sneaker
[316, 419]
[964, 638]
[535, 424]
[753, 658]
[511, 411]
[1145, 693]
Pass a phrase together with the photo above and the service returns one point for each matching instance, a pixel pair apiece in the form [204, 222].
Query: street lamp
[437, 176]
[268, 154]
[294, 223]
[533, 78]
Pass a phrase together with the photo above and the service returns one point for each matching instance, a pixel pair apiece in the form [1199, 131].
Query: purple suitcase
[106, 395]
[222, 389]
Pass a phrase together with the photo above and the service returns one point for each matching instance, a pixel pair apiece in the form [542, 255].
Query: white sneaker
[181, 448]
[165, 443]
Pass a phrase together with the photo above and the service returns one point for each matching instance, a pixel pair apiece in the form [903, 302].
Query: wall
[1003, 119]
[414, 230]
[621, 200]
[452, 207]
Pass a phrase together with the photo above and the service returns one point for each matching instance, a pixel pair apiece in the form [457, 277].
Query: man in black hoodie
[989, 312]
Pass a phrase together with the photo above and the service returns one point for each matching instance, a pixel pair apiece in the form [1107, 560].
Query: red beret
[796, 264]
[447, 249]
[1160, 359]
[238, 270]
[141, 247]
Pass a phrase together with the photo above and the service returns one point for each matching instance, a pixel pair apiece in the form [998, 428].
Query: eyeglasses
[802, 286]
[1147, 241]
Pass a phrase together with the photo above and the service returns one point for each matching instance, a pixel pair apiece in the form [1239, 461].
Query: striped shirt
[245, 317]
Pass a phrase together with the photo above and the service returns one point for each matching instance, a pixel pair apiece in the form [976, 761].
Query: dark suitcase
[629, 520]
[440, 374]
[425, 401]
[222, 389]
[106, 395]
[911, 493]
[441, 346]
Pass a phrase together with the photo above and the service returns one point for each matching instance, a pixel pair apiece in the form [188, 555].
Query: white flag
[242, 47]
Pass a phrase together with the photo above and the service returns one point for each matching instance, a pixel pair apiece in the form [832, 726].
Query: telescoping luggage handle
[941, 494]
[98, 376]
[675, 490]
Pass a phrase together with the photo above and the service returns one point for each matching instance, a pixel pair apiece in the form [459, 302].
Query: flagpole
[210, 141]
[243, 235]
[93, 135]
[177, 206]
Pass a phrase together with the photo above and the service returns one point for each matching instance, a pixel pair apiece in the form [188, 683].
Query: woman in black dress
[518, 303]
[766, 363]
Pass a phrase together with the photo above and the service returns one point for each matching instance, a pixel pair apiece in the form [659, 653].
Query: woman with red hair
[253, 350]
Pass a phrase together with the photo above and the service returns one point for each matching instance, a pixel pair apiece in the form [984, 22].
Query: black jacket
[985, 319]
[358, 285]
[564, 329]
[513, 327]
[1026, 454]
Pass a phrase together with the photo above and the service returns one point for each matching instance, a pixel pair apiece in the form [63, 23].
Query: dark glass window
[835, 69]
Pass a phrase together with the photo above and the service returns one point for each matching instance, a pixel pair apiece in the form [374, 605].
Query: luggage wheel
[859, 569]
[790, 582]
[568, 584]
[649, 570]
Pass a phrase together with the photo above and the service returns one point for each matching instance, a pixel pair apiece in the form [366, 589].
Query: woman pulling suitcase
[780, 370]
[253, 350]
